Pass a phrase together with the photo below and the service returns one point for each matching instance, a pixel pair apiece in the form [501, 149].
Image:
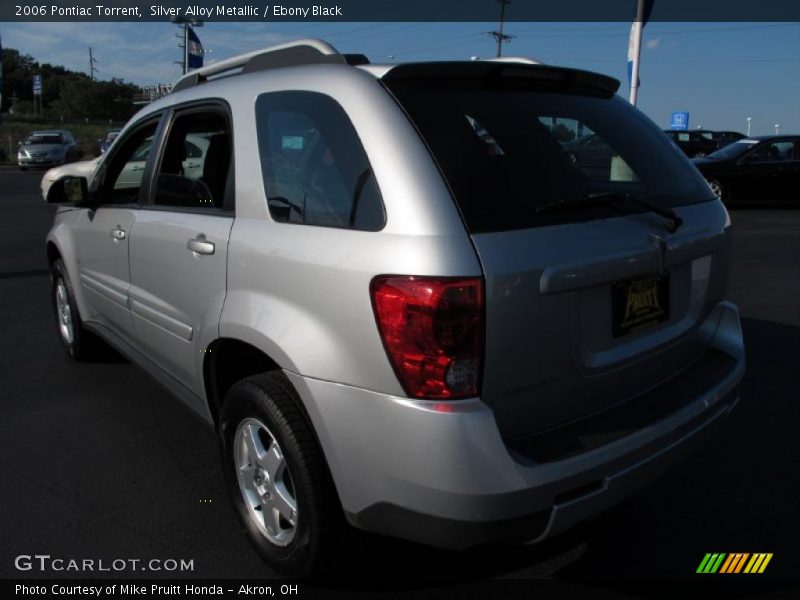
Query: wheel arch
[53, 254]
[228, 360]
[59, 245]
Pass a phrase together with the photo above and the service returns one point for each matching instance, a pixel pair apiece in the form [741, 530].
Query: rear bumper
[404, 468]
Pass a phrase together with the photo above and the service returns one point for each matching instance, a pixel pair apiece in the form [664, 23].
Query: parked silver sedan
[44, 148]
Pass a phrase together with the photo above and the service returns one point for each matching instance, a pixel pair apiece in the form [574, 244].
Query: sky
[721, 73]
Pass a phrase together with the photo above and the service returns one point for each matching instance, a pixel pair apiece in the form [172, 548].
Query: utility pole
[635, 49]
[498, 35]
[92, 68]
[749, 120]
[183, 45]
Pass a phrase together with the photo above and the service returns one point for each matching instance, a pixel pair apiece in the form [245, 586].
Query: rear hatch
[592, 298]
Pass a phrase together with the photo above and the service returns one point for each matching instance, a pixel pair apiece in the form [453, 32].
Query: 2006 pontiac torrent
[408, 297]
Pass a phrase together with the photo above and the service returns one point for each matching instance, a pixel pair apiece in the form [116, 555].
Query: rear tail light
[432, 329]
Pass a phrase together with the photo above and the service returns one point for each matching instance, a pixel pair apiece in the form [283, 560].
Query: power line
[583, 34]
[447, 46]
[575, 59]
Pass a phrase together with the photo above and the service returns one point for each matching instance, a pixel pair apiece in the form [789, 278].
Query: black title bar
[393, 10]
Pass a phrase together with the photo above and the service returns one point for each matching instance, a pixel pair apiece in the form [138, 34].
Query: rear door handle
[118, 233]
[200, 245]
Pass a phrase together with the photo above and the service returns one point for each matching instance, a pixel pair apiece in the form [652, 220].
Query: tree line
[65, 94]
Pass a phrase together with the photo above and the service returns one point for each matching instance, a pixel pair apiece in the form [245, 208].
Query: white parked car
[131, 176]
[84, 168]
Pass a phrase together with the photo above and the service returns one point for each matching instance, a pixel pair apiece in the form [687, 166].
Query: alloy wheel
[265, 482]
[64, 313]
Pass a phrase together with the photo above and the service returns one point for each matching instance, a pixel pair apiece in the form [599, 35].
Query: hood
[83, 168]
[40, 148]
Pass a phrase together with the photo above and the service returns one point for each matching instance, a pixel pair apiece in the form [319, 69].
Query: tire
[302, 533]
[717, 188]
[23, 168]
[80, 345]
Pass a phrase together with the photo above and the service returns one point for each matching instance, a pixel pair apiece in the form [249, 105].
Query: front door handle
[118, 233]
[200, 245]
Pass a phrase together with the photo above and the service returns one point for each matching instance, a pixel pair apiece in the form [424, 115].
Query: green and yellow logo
[737, 562]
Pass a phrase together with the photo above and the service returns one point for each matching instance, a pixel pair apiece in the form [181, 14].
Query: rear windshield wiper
[606, 198]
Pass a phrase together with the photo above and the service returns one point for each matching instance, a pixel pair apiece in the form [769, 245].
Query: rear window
[506, 152]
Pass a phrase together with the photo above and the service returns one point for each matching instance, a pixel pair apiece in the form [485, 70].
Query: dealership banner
[194, 50]
[392, 10]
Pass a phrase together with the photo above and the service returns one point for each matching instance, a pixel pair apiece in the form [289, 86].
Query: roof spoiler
[539, 76]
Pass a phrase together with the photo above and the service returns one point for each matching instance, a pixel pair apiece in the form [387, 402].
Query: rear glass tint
[507, 152]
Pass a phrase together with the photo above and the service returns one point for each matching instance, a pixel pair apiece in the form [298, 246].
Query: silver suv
[402, 296]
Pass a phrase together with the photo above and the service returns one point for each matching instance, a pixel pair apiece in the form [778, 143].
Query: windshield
[734, 150]
[506, 153]
[43, 139]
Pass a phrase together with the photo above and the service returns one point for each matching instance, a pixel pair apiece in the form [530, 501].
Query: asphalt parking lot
[97, 461]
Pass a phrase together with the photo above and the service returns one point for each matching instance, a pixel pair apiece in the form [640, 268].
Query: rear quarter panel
[301, 293]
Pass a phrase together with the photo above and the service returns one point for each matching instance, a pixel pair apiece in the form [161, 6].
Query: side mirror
[69, 190]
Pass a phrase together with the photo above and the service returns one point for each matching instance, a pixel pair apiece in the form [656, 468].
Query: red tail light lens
[432, 329]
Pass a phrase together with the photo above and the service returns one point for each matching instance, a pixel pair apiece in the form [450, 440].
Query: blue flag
[195, 50]
[643, 10]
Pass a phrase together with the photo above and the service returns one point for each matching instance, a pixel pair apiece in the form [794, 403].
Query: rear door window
[507, 152]
[315, 169]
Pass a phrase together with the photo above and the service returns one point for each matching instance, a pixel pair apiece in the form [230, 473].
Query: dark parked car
[755, 171]
[702, 142]
[106, 142]
[693, 143]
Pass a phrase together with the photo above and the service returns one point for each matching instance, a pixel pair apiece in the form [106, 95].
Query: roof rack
[298, 52]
